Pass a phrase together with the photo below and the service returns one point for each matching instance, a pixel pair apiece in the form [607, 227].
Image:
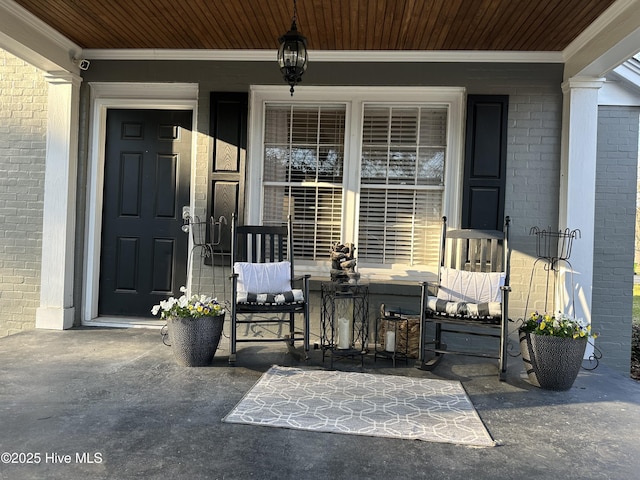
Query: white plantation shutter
[399, 226]
[303, 168]
[402, 184]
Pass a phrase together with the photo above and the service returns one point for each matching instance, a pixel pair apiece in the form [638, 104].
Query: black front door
[146, 184]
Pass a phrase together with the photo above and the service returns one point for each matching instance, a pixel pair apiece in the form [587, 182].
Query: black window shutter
[228, 129]
[485, 162]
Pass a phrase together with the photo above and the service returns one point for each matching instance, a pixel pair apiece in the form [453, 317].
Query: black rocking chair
[263, 284]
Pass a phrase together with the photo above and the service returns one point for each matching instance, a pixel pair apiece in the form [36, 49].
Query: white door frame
[131, 96]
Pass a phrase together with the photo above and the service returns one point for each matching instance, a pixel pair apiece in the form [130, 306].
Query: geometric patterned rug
[362, 404]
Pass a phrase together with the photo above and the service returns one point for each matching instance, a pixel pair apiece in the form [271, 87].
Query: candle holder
[344, 321]
[397, 334]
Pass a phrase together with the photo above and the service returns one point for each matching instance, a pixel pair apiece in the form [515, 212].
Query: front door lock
[186, 218]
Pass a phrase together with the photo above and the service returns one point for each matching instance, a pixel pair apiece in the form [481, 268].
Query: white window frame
[354, 99]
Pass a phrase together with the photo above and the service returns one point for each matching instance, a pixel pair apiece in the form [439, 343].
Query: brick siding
[23, 124]
[614, 233]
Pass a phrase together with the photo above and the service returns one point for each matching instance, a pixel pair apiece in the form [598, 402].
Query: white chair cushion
[270, 278]
[471, 287]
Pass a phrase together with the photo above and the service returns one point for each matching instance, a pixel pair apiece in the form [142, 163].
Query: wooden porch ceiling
[410, 25]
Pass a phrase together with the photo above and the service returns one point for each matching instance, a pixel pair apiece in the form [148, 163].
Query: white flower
[196, 306]
[183, 302]
[205, 299]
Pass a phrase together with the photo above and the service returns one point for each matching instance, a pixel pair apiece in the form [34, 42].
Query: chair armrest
[429, 284]
[303, 278]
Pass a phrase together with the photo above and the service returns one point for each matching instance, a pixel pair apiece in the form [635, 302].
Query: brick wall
[23, 123]
[614, 233]
[533, 182]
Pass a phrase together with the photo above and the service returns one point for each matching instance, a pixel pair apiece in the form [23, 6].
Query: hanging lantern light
[292, 54]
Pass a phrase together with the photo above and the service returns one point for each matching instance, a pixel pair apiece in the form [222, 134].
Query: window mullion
[317, 194]
[351, 173]
[386, 191]
[415, 192]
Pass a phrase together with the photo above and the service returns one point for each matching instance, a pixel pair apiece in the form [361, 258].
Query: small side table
[397, 334]
[344, 324]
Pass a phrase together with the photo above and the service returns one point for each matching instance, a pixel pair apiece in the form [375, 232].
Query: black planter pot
[552, 363]
[194, 341]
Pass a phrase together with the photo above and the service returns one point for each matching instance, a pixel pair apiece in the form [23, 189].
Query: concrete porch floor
[116, 398]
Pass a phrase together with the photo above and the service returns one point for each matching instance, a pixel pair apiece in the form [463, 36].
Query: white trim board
[395, 56]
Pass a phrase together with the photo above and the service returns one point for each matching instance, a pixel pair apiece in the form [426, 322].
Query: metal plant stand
[552, 249]
[552, 362]
[206, 239]
[344, 321]
[195, 341]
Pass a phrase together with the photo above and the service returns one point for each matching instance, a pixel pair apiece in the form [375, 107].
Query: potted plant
[552, 348]
[194, 327]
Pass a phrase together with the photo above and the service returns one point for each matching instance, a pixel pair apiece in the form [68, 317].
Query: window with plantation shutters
[377, 168]
[402, 183]
[303, 170]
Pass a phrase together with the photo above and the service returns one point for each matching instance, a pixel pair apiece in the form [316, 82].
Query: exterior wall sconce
[292, 54]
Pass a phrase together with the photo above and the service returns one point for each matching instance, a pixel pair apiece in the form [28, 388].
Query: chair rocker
[470, 298]
[262, 284]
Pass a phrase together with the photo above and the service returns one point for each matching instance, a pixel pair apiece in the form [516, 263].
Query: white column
[56, 309]
[577, 190]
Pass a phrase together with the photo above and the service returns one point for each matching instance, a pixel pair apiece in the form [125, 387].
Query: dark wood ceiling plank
[335, 24]
[122, 20]
[488, 33]
[317, 25]
[359, 12]
[471, 37]
[345, 32]
[534, 25]
[465, 20]
[448, 18]
[170, 24]
[372, 15]
[252, 10]
[539, 21]
[401, 27]
[198, 28]
[531, 20]
[431, 27]
[278, 18]
[581, 16]
[385, 17]
[215, 36]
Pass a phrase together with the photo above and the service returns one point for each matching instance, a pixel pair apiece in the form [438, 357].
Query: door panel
[147, 171]
[226, 178]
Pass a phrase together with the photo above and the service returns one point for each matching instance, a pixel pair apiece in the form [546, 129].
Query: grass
[636, 304]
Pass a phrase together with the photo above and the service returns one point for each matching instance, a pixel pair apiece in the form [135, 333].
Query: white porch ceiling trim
[29, 38]
[328, 55]
[611, 39]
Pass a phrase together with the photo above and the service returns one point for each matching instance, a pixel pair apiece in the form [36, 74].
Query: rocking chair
[470, 298]
[262, 284]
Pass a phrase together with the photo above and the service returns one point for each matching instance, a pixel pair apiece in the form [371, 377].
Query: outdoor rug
[362, 404]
